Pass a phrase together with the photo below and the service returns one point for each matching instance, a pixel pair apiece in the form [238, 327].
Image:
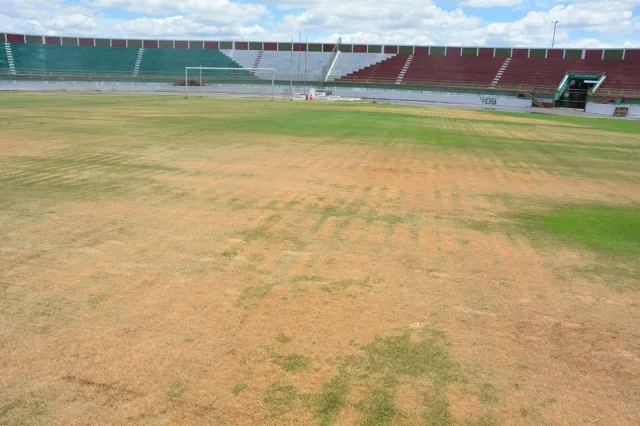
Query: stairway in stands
[256, 64]
[136, 66]
[501, 71]
[405, 67]
[12, 65]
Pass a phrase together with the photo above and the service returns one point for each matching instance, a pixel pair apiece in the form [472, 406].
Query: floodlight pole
[291, 69]
[299, 44]
[553, 39]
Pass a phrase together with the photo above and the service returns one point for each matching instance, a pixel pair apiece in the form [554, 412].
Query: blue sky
[582, 23]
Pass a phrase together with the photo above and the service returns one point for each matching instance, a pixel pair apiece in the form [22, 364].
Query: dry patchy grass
[169, 278]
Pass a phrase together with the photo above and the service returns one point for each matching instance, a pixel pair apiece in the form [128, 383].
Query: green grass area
[292, 363]
[603, 123]
[209, 122]
[238, 388]
[107, 137]
[386, 363]
[378, 407]
[613, 230]
[283, 338]
[375, 374]
[256, 201]
[332, 400]
[28, 407]
[280, 399]
[176, 389]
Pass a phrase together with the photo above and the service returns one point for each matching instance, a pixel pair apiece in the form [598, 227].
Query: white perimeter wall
[134, 87]
[609, 109]
[486, 101]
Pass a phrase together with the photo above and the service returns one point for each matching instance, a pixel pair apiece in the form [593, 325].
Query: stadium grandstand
[542, 77]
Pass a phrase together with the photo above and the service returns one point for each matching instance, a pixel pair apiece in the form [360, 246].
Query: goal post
[225, 74]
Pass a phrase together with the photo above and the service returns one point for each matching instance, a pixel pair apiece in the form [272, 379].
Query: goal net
[200, 80]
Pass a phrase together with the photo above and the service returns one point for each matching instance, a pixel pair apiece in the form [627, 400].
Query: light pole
[553, 40]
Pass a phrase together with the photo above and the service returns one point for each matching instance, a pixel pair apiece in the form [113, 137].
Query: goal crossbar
[251, 70]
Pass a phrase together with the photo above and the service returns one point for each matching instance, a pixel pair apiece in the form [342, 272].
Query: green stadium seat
[4, 64]
[173, 61]
[41, 58]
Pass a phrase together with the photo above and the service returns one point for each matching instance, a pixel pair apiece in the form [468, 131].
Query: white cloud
[42, 17]
[42, 9]
[604, 23]
[386, 19]
[490, 3]
[398, 37]
[14, 25]
[611, 19]
[420, 22]
[218, 11]
[74, 24]
[179, 26]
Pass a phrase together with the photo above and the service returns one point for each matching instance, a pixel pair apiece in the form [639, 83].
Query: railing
[441, 85]
[617, 93]
[586, 72]
[159, 76]
[599, 83]
[447, 85]
[118, 76]
[111, 74]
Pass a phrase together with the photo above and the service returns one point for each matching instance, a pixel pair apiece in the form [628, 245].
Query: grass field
[170, 261]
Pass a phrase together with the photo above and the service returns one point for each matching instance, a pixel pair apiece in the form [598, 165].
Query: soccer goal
[247, 80]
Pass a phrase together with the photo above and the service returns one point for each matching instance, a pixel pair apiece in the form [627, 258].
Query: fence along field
[218, 261]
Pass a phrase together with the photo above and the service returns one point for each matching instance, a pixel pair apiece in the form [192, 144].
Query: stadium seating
[296, 65]
[546, 72]
[42, 58]
[453, 68]
[173, 62]
[622, 74]
[4, 64]
[251, 59]
[425, 70]
[287, 65]
[421, 66]
[245, 58]
[550, 72]
[387, 70]
[347, 63]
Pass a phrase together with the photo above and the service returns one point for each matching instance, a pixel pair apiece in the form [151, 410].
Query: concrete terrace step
[136, 66]
[405, 67]
[12, 65]
[500, 72]
[256, 64]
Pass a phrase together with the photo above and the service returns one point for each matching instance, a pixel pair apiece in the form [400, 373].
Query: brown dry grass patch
[168, 302]
[462, 114]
